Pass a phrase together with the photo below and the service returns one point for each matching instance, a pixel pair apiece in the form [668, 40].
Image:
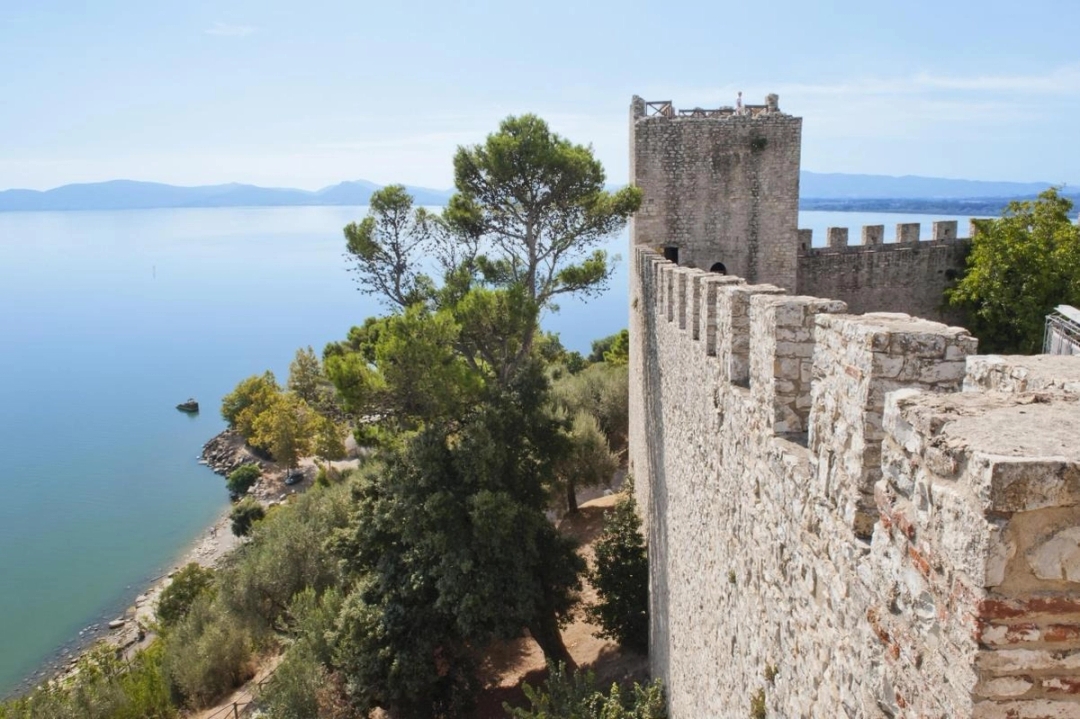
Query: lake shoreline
[208, 549]
[223, 453]
[127, 630]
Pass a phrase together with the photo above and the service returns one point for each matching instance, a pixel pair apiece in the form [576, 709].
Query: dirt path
[232, 705]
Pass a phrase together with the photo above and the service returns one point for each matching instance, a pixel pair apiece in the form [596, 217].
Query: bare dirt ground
[511, 664]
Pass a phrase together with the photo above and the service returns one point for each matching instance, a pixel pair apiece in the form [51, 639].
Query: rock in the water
[116, 623]
[190, 406]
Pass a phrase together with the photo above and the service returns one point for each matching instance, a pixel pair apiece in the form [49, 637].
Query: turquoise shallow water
[107, 320]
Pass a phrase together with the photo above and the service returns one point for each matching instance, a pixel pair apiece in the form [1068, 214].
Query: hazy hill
[832, 191]
[816, 185]
[131, 195]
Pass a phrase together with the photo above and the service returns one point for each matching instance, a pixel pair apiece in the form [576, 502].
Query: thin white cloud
[226, 30]
[1061, 81]
[922, 93]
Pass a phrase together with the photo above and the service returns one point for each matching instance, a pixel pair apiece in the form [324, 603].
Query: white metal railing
[1062, 335]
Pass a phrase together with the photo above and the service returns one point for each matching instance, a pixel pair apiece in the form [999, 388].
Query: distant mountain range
[924, 195]
[832, 185]
[131, 195]
[824, 191]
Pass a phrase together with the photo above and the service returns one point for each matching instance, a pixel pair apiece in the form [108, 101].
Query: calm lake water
[107, 321]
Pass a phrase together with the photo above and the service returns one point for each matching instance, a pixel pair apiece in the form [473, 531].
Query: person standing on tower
[738, 104]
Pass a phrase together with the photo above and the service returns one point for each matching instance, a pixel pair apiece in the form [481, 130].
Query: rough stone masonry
[721, 189]
[853, 514]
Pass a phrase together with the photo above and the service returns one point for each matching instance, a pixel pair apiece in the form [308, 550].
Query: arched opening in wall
[672, 254]
[719, 268]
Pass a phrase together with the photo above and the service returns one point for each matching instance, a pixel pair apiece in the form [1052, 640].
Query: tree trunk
[545, 630]
[571, 497]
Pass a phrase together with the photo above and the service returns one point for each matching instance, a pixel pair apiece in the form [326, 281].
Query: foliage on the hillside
[207, 654]
[389, 246]
[252, 396]
[289, 424]
[245, 514]
[286, 429]
[460, 512]
[284, 556]
[308, 381]
[613, 349]
[410, 373]
[1020, 267]
[602, 391]
[574, 695]
[304, 683]
[186, 586]
[241, 479]
[588, 460]
[621, 578]
[104, 687]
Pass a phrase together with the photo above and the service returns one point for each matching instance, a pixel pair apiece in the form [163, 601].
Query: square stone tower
[721, 187]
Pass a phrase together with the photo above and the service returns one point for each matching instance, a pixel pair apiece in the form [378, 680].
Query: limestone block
[1031, 709]
[1022, 373]
[944, 230]
[907, 232]
[873, 235]
[1058, 557]
[836, 236]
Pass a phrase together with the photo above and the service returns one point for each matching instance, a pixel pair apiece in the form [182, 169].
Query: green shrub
[103, 688]
[287, 554]
[303, 685]
[757, 705]
[246, 512]
[241, 479]
[611, 347]
[207, 654]
[294, 692]
[252, 396]
[621, 578]
[573, 695]
[183, 590]
[603, 391]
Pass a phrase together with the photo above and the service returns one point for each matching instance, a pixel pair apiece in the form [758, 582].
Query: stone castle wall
[853, 514]
[722, 188]
[907, 275]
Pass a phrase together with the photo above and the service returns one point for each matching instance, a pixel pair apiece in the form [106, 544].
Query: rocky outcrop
[227, 451]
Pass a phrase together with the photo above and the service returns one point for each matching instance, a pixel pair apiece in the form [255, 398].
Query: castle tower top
[664, 108]
[720, 186]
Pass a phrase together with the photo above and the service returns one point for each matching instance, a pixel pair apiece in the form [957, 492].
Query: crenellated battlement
[854, 505]
[872, 237]
[721, 188]
[909, 274]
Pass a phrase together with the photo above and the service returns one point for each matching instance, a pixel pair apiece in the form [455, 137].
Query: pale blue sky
[308, 94]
